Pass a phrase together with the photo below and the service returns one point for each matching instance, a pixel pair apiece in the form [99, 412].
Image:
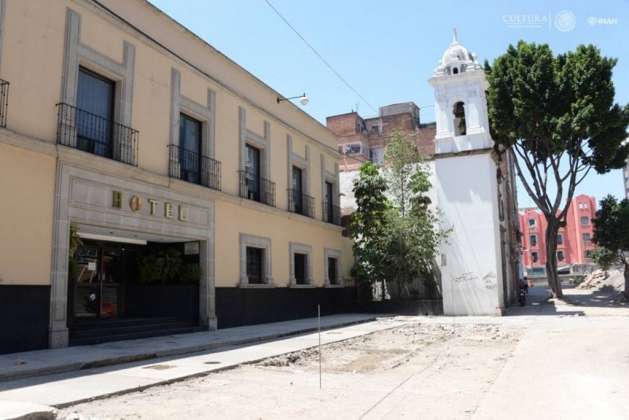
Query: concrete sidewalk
[43, 362]
[65, 389]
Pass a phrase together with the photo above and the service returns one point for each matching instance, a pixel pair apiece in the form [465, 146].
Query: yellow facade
[26, 208]
[34, 60]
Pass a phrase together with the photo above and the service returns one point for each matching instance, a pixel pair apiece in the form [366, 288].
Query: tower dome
[456, 59]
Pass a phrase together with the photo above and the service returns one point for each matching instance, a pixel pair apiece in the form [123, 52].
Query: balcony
[257, 189]
[300, 203]
[331, 213]
[94, 134]
[192, 167]
[4, 102]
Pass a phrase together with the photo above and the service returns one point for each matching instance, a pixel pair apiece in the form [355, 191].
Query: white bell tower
[467, 187]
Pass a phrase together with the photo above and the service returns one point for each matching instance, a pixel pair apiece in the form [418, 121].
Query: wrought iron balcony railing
[300, 203]
[193, 167]
[4, 102]
[255, 188]
[94, 134]
[331, 213]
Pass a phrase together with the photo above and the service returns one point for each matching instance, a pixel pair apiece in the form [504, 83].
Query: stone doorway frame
[72, 207]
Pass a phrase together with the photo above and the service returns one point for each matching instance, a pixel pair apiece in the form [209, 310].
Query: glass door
[100, 278]
[95, 112]
[85, 294]
[329, 204]
[190, 149]
[252, 172]
[297, 191]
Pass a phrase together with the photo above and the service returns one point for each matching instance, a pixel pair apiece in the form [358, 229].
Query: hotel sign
[166, 209]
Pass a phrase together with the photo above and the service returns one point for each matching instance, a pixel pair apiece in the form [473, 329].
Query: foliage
[164, 266]
[369, 224]
[401, 157]
[611, 234]
[557, 115]
[400, 239]
[604, 257]
[74, 244]
[190, 273]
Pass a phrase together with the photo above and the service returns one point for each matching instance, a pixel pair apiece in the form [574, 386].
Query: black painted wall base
[246, 306]
[24, 315]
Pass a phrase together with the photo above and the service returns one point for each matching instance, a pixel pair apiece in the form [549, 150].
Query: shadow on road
[606, 297]
[576, 302]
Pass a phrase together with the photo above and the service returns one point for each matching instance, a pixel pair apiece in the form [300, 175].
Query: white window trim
[298, 248]
[332, 253]
[255, 242]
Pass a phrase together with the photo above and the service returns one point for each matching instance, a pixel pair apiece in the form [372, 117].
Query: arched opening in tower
[459, 119]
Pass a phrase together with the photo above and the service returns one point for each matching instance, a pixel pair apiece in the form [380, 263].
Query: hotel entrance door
[99, 278]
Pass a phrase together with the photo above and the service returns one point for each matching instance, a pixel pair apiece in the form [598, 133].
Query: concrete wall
[471, 274]
[26, 188]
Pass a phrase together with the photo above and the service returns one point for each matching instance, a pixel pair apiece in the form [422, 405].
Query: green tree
[558, 117]
[611, 234]
[413, 236]
[402, 159]
[369, 225]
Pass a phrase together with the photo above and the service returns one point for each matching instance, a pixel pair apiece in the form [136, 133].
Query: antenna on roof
[455, 36]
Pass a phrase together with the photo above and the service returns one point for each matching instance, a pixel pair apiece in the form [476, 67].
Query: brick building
[574, 241]
[364, 139]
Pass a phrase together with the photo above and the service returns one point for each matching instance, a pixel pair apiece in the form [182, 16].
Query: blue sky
[387, 50]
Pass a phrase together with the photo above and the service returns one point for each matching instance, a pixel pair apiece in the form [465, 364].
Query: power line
[323, 60]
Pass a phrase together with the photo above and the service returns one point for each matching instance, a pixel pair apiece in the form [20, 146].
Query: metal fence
[193, 167]
[94, 134]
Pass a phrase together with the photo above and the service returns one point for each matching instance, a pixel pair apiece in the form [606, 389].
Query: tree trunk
[551, 257]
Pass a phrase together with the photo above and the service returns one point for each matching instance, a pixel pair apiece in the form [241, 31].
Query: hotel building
[150, 185]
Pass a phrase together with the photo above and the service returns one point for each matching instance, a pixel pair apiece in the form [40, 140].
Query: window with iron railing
[255, 188]
[187, 161]
[89, 126]
[192, 167]
[300, 203]
[331, 213]
[91, 133]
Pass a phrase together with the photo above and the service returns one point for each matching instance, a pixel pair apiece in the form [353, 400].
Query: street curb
[216, 369]
[70, 367]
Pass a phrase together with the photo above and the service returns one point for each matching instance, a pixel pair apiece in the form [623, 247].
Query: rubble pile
[600, 278]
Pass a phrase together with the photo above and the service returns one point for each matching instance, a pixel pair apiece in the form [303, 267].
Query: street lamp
[303, 99]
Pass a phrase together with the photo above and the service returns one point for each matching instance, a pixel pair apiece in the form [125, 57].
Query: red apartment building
[574, 241]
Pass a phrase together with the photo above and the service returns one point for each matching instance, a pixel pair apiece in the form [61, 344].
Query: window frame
[111, 118]
[260, 263]
[253, 241]
[330, 253]
[305, 249]
[185, 117]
